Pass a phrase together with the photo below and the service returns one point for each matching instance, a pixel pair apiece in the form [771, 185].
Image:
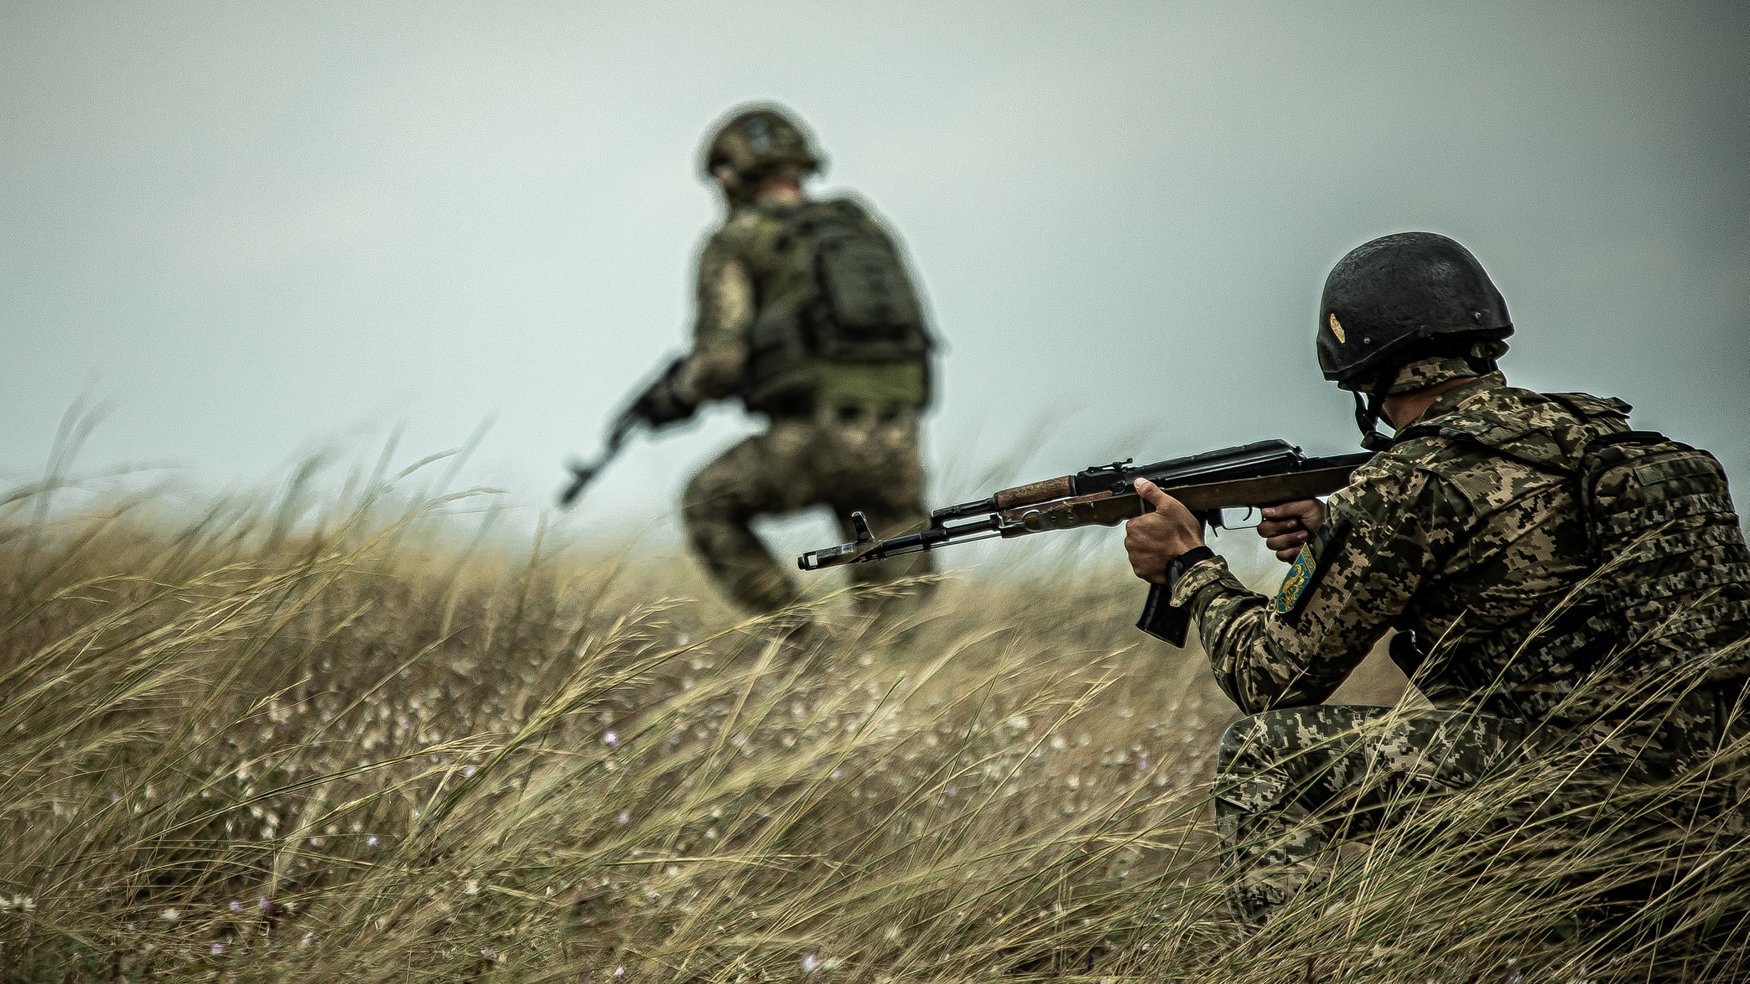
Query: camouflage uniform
[1467, 533]
[848, 455]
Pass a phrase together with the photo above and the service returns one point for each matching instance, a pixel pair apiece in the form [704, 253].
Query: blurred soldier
[807, 314]
[1474, 532]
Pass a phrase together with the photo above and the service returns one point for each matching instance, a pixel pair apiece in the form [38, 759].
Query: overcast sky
[257, 230]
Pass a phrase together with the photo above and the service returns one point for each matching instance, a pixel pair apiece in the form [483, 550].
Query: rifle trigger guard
[1212, 520]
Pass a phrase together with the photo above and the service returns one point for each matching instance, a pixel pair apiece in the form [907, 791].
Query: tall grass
[364, 747]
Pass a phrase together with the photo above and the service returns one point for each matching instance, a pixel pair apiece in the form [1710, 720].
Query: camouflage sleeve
[1382, 539]
[725, 313]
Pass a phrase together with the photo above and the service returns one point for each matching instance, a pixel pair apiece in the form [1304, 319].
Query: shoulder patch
[1294, 585]
[1304, 573]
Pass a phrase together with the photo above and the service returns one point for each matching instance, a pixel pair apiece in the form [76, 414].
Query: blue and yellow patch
[1300, 576]
[1303, 574]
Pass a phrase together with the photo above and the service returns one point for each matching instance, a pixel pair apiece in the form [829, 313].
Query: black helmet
[1400, 298]
[752, 141]
[1413, 297]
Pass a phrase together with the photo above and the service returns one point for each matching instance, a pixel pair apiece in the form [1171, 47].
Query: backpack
[840, 321]
[1660, 526]
[1660, 533]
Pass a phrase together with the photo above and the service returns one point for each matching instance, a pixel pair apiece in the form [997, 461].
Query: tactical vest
[839, 320]
[1670, 573]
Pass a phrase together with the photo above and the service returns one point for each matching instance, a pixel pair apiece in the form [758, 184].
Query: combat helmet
[1407, 311]
[753, 140]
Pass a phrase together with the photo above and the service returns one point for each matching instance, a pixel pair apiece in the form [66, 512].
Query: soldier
[807, 313]
[1475, 530]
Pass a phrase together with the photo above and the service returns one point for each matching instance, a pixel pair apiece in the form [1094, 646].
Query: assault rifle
[1260, 474]
[655, 405]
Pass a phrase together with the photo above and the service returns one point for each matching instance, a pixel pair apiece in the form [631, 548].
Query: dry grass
[374, 749]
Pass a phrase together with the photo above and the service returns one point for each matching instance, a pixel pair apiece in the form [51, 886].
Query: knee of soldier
[1235, 741]
[697, 501]
[1250, 740]
[1245, 781]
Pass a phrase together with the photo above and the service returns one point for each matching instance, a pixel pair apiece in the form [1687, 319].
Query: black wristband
[1177, 567]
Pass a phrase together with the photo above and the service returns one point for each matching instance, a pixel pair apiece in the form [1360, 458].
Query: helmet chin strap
[1367, 409]
[1367, 418]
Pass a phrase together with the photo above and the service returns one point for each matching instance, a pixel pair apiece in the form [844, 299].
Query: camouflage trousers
[1664, 788]
[1291, 783]
[843, 458]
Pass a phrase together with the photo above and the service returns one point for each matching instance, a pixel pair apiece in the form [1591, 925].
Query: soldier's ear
[725, 176]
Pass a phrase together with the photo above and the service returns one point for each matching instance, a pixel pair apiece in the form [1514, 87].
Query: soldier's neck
[1400, 410]
[779, 190]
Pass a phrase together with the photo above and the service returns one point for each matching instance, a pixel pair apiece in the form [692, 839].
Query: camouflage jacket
[1468, 545]
[727, 302]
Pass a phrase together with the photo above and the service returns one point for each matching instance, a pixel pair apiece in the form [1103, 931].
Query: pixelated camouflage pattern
[1470, 533]
[842, 458]
[1423, 373]
[1291, 783]
[1290, 780]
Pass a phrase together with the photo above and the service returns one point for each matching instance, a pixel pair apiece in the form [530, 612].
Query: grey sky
[258, 229]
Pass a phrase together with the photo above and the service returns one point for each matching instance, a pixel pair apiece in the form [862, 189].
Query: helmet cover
[755, 140]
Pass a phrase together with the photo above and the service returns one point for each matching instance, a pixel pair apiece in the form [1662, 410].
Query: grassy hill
[368, 747]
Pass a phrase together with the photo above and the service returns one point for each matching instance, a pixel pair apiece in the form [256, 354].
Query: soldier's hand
[1154, 539]
[662, 403]
[1286, 527]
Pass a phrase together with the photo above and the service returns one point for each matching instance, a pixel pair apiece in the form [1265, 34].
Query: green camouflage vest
[1670, 573]
[839, 321]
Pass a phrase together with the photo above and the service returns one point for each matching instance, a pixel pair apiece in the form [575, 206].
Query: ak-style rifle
[656, 405]
[1260, 474]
